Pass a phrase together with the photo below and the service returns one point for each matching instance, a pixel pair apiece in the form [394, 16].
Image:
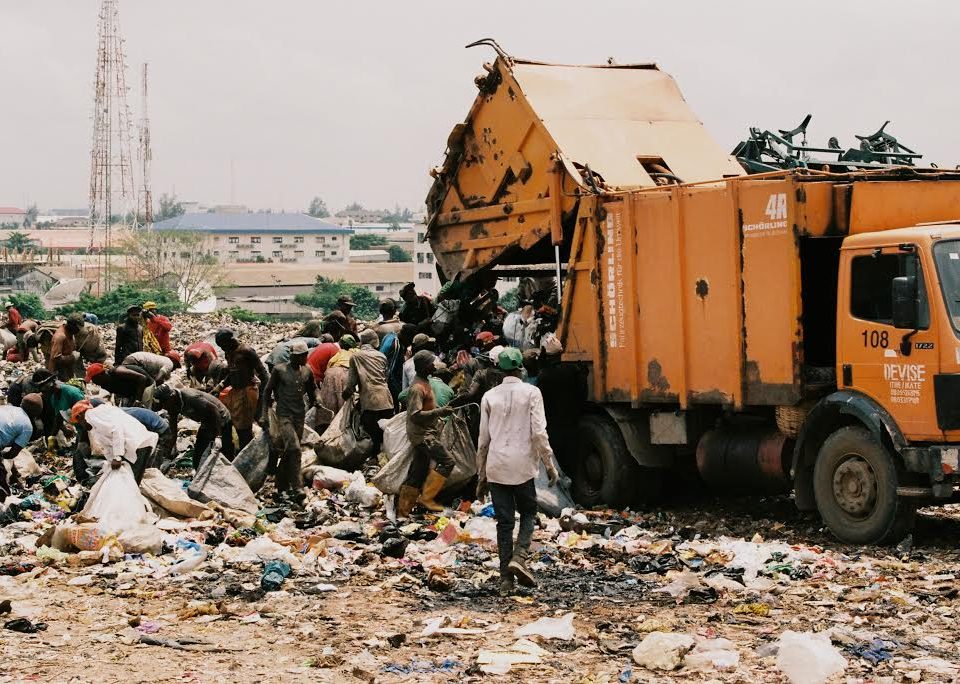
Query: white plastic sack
[170, 496]
[253, 459]
[310, 436]
[552, 500]
[396, 446]
[26, 464]
[455, 436]
[118, 507]
[115, 500]
[328, 477]
[217, 480]
[8, 338]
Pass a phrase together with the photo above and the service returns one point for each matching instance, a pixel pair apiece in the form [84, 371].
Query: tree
[169, 207]
[399, 254]
[326, 291]
[318, 208]
[367, 241]
[19, 242]
[112, 306]
[29, 305]
[182, 256]
[31, 218]
[353, 206]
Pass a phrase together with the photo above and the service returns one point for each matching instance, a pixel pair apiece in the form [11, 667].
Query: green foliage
[510, 299]
[326, 291]
[169, 207]
[353, 206]
[112, 306]
[19, 242]
[29, 305]
[398, 254]
[242, 315]
[367, 241]
[318, 208]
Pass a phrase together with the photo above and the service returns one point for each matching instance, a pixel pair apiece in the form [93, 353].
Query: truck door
[893, 365]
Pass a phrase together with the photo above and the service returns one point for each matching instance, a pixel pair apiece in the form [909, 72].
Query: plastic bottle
[274, 573]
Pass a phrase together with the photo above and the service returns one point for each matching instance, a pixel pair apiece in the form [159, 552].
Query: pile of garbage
[195, 562]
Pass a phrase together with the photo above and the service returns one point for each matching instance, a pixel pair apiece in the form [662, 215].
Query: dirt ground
[906, 598]
[741, 570]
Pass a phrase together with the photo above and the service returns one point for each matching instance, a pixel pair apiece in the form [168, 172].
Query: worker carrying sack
[455, 436]
[345, 444]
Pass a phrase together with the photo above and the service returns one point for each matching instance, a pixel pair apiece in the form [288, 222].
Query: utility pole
[146, 155]
[112, 186]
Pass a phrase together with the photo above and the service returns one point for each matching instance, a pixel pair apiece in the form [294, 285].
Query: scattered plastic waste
[549, 628]
[275, 573]
[663, 650]
[808, 658]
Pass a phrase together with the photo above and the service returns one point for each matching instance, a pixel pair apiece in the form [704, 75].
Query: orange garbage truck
[789, 331]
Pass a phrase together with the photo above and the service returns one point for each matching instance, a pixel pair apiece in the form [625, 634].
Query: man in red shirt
[14, 319]
[320, 357]
[159, 327]
[197, 359]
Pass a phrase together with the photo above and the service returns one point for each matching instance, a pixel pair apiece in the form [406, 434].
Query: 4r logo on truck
[776, 223]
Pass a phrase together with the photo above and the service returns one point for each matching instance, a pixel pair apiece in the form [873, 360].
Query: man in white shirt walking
[513, 443]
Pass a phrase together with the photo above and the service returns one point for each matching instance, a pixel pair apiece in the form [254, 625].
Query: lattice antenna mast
[112, 186]
[146, 156]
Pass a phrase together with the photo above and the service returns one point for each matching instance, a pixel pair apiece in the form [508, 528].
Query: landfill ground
[731, 574]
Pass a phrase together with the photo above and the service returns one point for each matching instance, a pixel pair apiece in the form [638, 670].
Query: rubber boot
[431, 488]
[506, 585]
[518, 568]
[406, 500]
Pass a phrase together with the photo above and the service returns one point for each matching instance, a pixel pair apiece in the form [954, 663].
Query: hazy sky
[354, 101]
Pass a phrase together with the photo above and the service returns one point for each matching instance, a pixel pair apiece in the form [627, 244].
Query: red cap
[93, 370]
[486, 336]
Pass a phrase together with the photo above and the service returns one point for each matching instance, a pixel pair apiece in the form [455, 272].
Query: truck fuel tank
[747, 461]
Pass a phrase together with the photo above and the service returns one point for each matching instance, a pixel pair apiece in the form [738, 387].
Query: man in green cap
[513, 443]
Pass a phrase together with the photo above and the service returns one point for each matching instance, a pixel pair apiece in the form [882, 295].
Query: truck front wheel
[605, 472]
[855, 485]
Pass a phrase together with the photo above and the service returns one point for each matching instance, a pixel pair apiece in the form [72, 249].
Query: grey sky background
[354, 101]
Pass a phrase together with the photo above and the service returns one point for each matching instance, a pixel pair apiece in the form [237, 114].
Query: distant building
[266, 237]
[261, 280]
[424, 264]
[12, 216]
[369, 256]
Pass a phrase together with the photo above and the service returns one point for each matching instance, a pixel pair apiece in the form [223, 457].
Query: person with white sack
[116, 435]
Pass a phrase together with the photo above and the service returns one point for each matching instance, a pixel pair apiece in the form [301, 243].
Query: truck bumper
[938, 462]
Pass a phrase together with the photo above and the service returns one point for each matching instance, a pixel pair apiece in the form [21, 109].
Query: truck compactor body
[795, 330]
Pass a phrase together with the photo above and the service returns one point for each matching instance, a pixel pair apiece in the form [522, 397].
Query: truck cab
[898, 359]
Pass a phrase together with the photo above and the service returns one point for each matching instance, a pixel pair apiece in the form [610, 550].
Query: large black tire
[605, 472]
[855, 485]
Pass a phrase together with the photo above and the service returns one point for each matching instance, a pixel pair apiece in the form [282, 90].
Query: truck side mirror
[905, 309]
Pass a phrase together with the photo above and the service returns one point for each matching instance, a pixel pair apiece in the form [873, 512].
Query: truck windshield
[947, 256]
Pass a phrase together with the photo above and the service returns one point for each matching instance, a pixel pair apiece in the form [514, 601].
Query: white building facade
[256, 238]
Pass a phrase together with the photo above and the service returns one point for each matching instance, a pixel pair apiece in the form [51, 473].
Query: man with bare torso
[240, 390]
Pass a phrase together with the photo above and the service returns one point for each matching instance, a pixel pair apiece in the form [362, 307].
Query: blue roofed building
[266, 237]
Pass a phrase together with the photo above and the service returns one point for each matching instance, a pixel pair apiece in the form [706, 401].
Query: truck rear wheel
[605, 472]
[855, 485]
